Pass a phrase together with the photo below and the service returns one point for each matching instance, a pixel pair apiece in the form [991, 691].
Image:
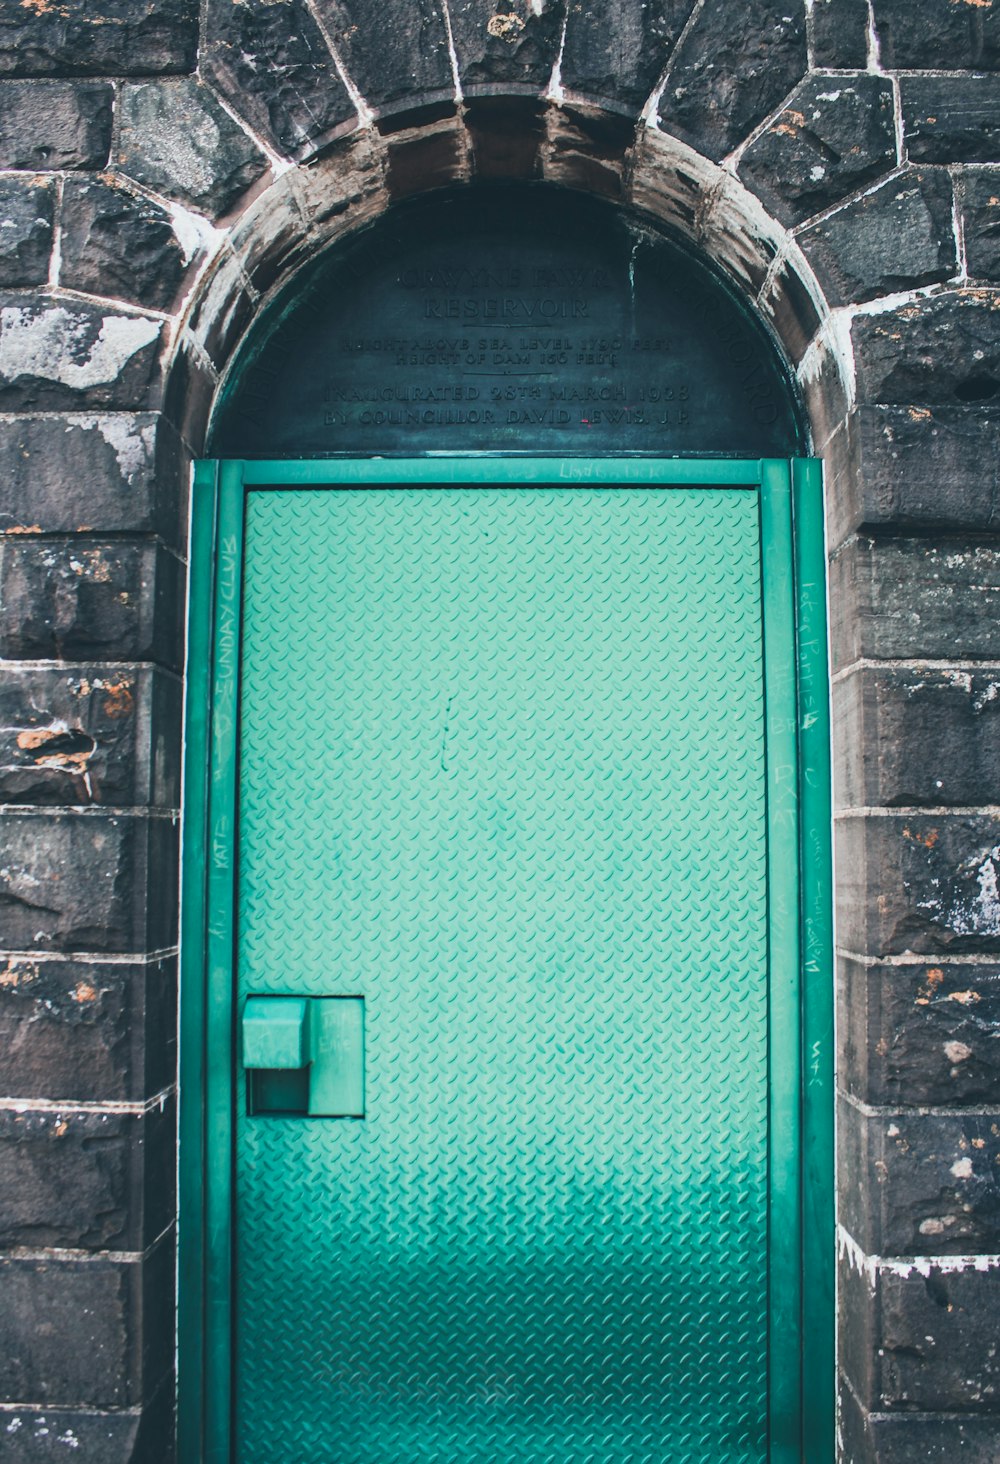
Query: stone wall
[164, 171]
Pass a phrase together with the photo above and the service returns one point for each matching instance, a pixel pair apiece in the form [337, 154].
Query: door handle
[305, 1055]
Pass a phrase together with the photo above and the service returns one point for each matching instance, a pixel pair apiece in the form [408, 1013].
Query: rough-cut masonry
[165, 168]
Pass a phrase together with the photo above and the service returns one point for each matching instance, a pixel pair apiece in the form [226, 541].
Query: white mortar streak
[366, 116]
[874, 57]
[914, 958]
[90, 810]
[963, 810]
[63, 1253]
[452, 53]
[897, 121]
[90, 958]
[70, 1106]
[555, 91]
[649, 115]
[84, 668]
[872, 1266]
[917, 1110]
[55, 258]
[958, 225]
[869, 663]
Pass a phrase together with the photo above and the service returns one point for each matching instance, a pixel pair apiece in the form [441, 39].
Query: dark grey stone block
[734, 66]
[86, 1181]
[57, 354]
[919, 1184]
[118, 244]
[34, 1435]
[398, 56]
[90, 735]
[915, 1438]
[618, 54]
[931, 468]
[504, 47]
[26, 207]
[55, 124]
[112, 472]
[97, 1333]
[81, 599]
[940, 1340]
[898, 236]
[87, 1031]
[176, 138]
[978, 194]
[273, 65]
[834, 135]
[101, 38]
[951, 119]
[920, 1033]
[912, 736]
[941, 350]
[99, 882]
[838, 33]
[939, 36]
[914, 599]
[917, 882]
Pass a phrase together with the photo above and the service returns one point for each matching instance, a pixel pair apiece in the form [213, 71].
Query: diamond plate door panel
[502, 776]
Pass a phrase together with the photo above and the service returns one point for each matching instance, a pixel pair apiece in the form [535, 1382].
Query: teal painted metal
[275, 1032]
[782, 926]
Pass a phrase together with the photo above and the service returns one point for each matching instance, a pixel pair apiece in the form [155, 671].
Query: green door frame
[799, 920]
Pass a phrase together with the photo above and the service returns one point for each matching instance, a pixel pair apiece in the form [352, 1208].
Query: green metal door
[516, 779]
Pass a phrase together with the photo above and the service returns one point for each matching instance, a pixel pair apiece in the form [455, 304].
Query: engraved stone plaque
[512, 319]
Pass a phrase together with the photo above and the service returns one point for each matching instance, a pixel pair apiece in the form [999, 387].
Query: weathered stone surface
[176, 138]
[114, 472]
[938, 37]
[432, 159]
[838, 33]
[89, 735]
[98, 882]
[932, 1335]
[910, 598]
[81, 599]
[928, 467]
[87, 1031]
[834, 135]
[117, 243]
[943, 349]
[505, 46]
[587, 149]
[273, 66]
[400, 59]
[618, 54]
[922, 1438]
[733, 67]
[40, 1435]
[918, 735]
[951, 119]
[57, 353]
[86, 1181]
[898, 236]
[101, 38]
[936, 878]
[934, 1189]
[978, 194]
[507, 134]
[97, 1333]
[25, 231]
[55, 124]
[920, 1033]
[789, 306]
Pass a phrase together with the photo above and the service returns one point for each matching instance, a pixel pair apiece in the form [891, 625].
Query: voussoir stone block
[101, 38]
[939, 36]
[918, 735]
[273, 65]
[833, 135]
[55, 124]
[84, 735]
[939, 350]
[26, 208]
[920, 1032]
[505, 47]
[734, 66]
[116, 243]
[919, 1183]
[951, 119]
[397, 56]
[919, 882]
[619, 57]
[87, 1031]
[898, 236]
[59, 353]
[86, 1181]
[175, 138]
